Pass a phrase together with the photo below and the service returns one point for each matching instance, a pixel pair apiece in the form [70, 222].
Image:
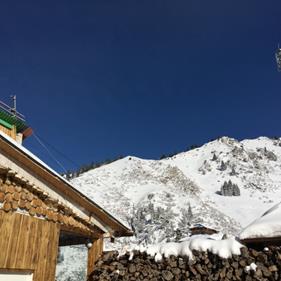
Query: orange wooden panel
[29, 243]
[94, 254]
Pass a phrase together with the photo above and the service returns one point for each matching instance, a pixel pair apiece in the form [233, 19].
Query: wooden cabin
[40, 211]
[198, 229]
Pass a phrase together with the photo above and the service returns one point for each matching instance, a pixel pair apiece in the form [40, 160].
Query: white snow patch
[268, 225]
[250, 267]
[223, 248]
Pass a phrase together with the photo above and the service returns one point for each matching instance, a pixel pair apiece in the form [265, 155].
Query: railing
[12, 111]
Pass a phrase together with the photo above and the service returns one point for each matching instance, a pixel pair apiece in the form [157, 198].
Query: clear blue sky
[101, 78]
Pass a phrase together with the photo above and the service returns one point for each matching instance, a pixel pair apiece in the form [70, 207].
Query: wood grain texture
[93, 254]
[15, 195]
[7, 131]
[29, 244]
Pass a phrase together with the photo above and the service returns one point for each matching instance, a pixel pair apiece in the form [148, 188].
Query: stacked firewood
[250, 265]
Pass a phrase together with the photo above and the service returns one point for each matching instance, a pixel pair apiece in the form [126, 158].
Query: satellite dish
[278, 58]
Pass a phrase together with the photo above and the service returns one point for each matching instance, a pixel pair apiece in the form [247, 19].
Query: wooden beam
[94, 253]
[14, 132]
[265, 240]
[27, 132]
[93, 235]
[68, 239]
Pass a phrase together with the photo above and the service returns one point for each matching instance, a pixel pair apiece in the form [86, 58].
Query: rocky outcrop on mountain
[250, 265]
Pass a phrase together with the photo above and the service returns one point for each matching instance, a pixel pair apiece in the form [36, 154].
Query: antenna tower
[14, 108]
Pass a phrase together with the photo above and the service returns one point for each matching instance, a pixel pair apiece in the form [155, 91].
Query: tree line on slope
[169, 155]
[87, 167]
[70, 174]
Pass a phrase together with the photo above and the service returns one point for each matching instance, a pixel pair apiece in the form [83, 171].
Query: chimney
[13, 123]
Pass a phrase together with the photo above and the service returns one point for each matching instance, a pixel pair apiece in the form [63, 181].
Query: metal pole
[15, 104]
[14, 109]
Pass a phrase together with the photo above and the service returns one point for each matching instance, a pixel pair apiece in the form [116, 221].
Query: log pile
[205, 266]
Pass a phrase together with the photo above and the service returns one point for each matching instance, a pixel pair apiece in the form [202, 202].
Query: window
[16, 276]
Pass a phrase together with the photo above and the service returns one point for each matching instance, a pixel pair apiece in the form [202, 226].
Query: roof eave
[117, 227]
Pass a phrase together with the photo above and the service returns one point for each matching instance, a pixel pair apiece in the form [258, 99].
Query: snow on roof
[48, 168]
[267, 226]
[223, 248]
[32, 156]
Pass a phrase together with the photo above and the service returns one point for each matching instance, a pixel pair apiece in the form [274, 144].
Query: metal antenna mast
[14, 108]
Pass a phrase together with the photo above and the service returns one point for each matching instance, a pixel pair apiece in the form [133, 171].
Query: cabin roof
[23, 155]
[267, 226]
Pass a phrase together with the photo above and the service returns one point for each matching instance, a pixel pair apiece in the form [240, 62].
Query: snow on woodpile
[251, 265]
[223, 248]
[268, 225]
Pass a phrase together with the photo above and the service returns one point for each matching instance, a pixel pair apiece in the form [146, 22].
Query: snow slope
[160, 198]
[192, 178]
[257, 171]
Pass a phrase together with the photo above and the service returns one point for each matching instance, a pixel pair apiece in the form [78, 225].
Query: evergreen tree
[185, 221]
[223, 166]
[215, 158]
[230, 189]
[233, 172]
[179, 235]
[189, 214]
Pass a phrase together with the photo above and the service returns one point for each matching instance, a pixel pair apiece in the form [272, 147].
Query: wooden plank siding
[94, 254]
[28, 243]
[6, 131]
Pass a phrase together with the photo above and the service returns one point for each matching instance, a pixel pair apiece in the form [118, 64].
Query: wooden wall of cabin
[7, 131]
[94, 253]
[29, 243]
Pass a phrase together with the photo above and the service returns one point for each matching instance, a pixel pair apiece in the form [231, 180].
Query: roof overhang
[261, 242]
[102, 218]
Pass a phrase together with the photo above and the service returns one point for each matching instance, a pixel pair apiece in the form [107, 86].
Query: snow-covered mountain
[134, 189]
[160, 198]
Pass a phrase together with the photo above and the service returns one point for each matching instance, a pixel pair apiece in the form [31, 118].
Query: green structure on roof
[8, 120]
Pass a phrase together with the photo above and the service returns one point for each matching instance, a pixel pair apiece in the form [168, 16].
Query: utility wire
[40, 141]
[59, 152]
[49, 152]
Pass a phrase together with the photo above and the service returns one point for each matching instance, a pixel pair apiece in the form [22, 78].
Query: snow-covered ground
[159, 199]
